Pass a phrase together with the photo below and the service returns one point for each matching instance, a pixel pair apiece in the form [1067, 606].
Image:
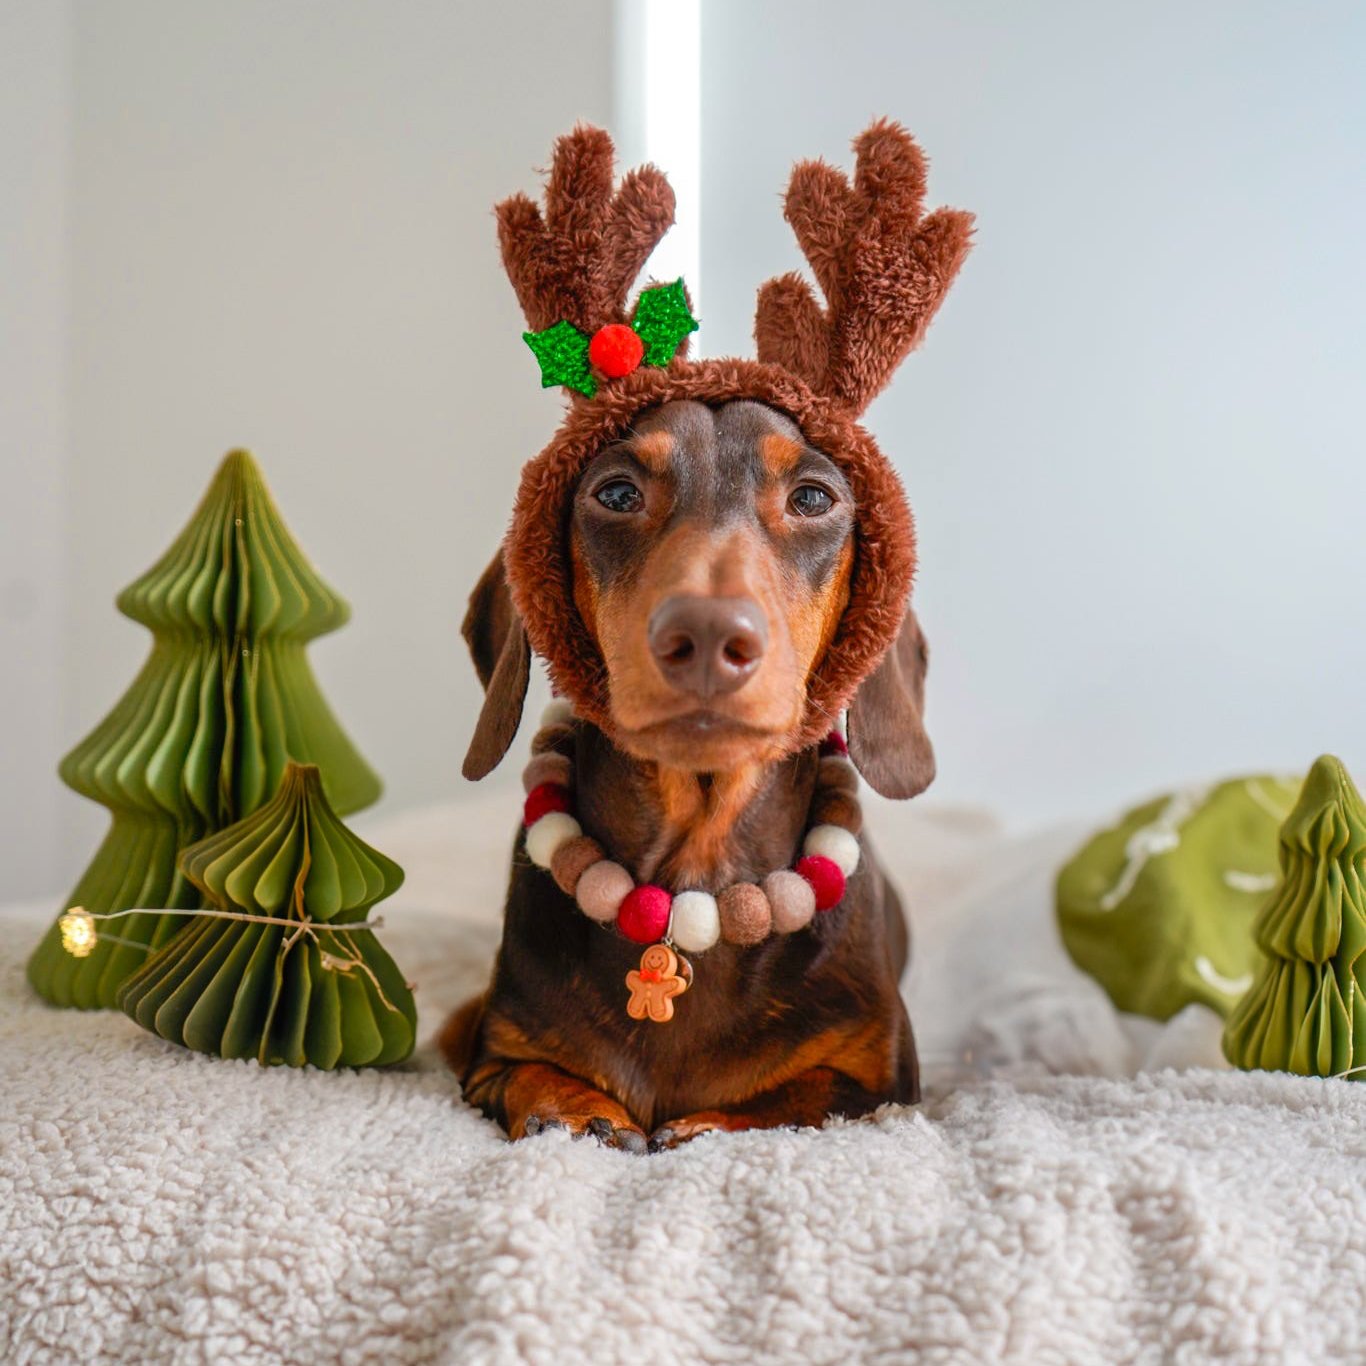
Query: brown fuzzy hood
[536, 552]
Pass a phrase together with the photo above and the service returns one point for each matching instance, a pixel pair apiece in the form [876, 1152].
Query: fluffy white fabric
[160, 1205]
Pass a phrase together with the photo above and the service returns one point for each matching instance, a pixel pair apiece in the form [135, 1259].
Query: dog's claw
[534, 1124]
[631, 1141]
[602, 1129]
[661, 1140]
[611, 1136]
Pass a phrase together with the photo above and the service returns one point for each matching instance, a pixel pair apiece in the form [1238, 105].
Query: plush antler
[578, 262]
[884, 270]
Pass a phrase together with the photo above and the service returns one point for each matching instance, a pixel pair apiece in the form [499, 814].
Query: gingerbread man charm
[654, 985]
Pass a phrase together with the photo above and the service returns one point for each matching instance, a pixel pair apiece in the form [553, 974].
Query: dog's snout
[707, 645]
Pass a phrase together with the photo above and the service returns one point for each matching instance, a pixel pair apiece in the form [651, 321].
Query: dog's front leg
[528, 1097]
[806, 1101]
[524, 1095]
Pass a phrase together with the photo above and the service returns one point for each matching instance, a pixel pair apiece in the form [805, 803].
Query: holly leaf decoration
[562, 351]
[662, 320]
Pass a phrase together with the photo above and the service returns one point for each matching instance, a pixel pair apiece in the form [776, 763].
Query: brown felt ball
[837, 808]
[836, 775]
[745, 914]
[547, 768]
[549, 739]
[570, 860]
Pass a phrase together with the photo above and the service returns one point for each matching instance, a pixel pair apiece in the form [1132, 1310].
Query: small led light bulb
[78, 932]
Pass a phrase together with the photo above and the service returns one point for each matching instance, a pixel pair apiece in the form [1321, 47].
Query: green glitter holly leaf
[562, 351]
[662, 320]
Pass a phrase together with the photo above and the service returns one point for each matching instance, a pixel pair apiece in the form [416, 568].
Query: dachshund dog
[714, 560]
[711, 555]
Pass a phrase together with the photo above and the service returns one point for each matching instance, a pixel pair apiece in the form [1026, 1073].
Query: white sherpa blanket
[1041, 1206]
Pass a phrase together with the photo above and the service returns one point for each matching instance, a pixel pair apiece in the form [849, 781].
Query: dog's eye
[619, 495]
[810, 501]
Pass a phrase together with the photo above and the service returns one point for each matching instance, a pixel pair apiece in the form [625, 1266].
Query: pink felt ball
[644, 914]
[601, 889]
[616, 350]
[543, 798]
[825, 878]
[792, 900]
[834, 744]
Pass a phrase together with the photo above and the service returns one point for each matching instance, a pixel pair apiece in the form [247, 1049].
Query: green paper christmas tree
[202, 736]
[1305, 1011]
[303, 991]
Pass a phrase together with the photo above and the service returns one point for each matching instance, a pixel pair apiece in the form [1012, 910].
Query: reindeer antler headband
[883, 267]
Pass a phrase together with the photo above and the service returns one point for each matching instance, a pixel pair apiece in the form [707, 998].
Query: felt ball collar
[744, 914]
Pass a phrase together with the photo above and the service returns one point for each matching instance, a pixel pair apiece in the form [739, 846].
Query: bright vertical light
[659, 84]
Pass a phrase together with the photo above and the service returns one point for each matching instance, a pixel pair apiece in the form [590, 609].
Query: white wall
[282, 238]
[1134, 440]
[34, 126]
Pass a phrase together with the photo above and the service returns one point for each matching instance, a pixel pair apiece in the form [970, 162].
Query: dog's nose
[708, 645]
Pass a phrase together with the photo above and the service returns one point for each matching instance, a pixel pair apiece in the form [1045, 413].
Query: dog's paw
[676, 1132]
[623, 1136]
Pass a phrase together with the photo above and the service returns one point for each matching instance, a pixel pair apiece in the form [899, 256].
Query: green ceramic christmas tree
[305, 991]
[1159, 907]
[1305, 1012]
[202, 736]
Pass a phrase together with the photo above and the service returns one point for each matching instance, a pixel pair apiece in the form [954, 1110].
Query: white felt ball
[551, 831]
[558, 713]
[836, 844]
[696, 923]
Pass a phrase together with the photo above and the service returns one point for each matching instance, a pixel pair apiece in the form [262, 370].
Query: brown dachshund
[714, 560]
[711, 554]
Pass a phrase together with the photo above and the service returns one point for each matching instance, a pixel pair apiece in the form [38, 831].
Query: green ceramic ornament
[202, 736]
[303, 991]
[1159, 908]
[1305, 1012]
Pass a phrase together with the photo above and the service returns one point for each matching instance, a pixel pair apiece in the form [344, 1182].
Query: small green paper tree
[305, 991]
[1305, 1011]
[202, 736]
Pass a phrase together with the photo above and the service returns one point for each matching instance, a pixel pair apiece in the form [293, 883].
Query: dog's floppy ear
[502, 659]
[887, 739]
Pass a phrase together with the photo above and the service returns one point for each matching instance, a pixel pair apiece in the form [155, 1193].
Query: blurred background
[1133, 439]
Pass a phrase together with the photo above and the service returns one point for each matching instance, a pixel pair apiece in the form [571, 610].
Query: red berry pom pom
[616, 350]
[826, 879]
[542, 798]
[644, 914]
[834, 744]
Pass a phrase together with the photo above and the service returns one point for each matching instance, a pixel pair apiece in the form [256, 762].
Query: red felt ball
[616, 350]
[834, 744]
[543, 798]
[826, 879]
[644, 914]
